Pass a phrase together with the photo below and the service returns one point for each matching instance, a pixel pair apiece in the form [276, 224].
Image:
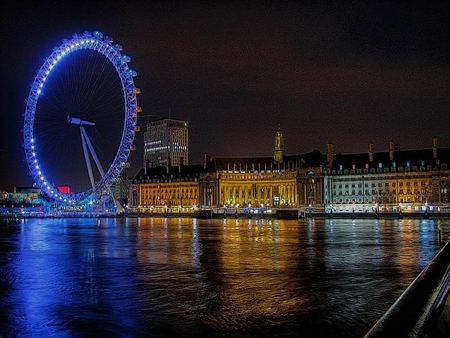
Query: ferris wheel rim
[112, 52]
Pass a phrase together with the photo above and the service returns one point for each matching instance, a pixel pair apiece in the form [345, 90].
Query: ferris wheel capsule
[125, 58]
[98, 34]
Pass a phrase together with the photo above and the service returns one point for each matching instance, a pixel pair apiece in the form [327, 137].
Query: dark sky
[346, 72]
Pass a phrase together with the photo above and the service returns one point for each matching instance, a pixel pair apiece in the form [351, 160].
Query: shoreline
[283, 214]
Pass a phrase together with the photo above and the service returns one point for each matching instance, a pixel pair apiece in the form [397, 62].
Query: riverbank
[282, 214]
[380, 215]
[295, 214]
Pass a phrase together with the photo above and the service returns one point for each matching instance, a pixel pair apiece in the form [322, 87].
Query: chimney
[371, 151]
[145, 167]
[435, 147]
[391, 150]
[330, 154]
[206, 160]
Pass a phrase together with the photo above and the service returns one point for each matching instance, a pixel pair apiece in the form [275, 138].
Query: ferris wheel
[81, 109]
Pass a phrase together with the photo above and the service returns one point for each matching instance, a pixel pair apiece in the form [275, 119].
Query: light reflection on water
[186, 277]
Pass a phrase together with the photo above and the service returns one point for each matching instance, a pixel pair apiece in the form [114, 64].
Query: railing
[419, 311]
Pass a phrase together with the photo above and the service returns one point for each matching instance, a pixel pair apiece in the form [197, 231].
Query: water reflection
[236, 277]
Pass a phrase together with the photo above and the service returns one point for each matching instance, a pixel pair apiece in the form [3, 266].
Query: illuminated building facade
[260, 182]
[280, 181]
[394, 180]
[166, 143]
[157, 190]
[22, 196]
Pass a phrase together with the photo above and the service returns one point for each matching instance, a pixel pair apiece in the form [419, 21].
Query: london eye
[80, 120]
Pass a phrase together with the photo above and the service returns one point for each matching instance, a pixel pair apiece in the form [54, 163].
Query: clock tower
[278, 153]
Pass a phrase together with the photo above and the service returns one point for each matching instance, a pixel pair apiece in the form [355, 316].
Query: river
[184, 277]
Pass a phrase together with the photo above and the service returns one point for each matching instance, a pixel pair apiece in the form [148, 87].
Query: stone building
[158, 190]
[410, 180]
[279, 181]
[391, 180]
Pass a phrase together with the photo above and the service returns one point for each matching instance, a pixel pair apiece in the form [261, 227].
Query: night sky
[346, 72]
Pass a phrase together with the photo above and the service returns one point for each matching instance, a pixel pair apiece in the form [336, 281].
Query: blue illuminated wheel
[80, 119]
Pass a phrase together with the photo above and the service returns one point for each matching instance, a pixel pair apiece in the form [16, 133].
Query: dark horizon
[348, 73]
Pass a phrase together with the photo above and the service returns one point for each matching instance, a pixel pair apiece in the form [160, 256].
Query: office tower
[166, 143]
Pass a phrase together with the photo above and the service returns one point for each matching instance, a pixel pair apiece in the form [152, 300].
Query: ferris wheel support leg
[94, 155]
[119, 207]
[86, 156]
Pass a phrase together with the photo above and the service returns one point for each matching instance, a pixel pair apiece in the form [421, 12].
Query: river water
[183, 277]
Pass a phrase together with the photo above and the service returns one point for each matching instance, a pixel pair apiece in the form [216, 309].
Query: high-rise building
[166, 143]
